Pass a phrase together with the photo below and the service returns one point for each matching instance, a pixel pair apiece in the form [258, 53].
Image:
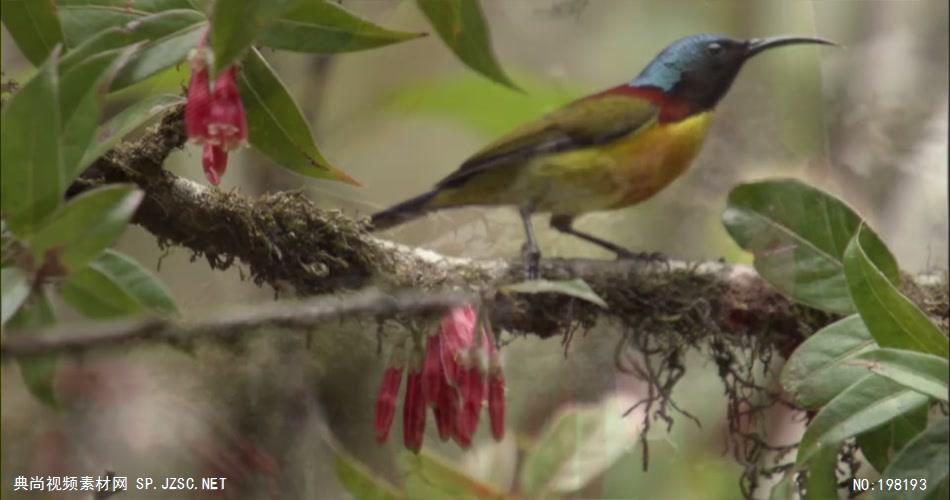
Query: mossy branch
[290, 244]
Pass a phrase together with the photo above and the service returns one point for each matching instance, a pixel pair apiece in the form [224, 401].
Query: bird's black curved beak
[756, 45]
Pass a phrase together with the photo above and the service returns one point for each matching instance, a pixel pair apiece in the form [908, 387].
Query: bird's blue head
[695, 72]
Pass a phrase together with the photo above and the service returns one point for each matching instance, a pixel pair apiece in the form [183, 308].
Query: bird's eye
[714, 49]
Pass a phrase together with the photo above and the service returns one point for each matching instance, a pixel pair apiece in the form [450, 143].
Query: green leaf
[939, 492]
[82, 94]
[867, 404]
[39, 375]
[140, 29]
[577, 288]
[578, 445]
[892, 319]
[34, 27]
[236, 23]
[96, 296]
[159, 54]
[324, 27]
[84, 19]
[880, 445]
[134, 6]
[199, 5]
[924, 457]
[817, 371]
[87, 225]
[15, 286]
[461, 25]
[82, 22]
[37, 371]
[425, 476]
[361, 483]
[113, 285]
[798, 235]
[126, 121]
[924, 373]
[32, 182]
[786, 488]
[276, 126]
[822, 476]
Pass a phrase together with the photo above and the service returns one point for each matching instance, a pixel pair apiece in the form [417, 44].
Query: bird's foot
[532, 263]
[531, 272]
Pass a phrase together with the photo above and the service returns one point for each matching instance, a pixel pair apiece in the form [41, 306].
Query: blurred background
[867, 122]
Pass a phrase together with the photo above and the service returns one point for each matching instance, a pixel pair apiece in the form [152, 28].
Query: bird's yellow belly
[620, 174]
[651, 162]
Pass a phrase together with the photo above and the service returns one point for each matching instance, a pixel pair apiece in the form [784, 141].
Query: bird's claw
[532, 263]
[531, 271]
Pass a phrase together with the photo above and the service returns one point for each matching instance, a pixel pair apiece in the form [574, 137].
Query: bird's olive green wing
[584, 123]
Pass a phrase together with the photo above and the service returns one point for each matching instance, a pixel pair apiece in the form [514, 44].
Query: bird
[605, 151]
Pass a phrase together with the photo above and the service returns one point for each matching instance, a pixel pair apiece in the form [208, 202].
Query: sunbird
[609, 150]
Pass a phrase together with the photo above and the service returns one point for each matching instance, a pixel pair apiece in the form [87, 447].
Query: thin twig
[294, 315]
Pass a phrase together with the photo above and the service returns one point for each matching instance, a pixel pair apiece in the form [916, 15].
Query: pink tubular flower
[458, 335]
[496, 391]
[446, 411]
[198, 105]
[496, 405]
[414, 412]
[214, 160]
[458, 371]
[432, 377]
[227, 124]
[214, 116]
[473, 393]
[386, 402]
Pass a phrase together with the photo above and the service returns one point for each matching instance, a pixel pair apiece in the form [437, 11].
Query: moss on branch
[291, 245]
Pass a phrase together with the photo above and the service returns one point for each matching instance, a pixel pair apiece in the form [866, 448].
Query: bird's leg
[563, 223]
[529, 251]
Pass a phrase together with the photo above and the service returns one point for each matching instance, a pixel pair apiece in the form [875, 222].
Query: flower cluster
[456, 372]
[214, 115]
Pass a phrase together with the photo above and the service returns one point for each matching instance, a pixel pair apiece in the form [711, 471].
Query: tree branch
[289, 243]
[295, 315]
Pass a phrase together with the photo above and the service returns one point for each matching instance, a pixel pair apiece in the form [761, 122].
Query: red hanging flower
[214, 116]
[214, 160]
[496, 393]
[433, 379]
[198, 105]
[473, 393]
[227, 124]
[458, 335]
[386, 402]
[457, 372]
[446, 411]
[414, 412]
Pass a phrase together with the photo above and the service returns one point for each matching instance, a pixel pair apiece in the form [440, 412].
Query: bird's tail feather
[402, 212]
